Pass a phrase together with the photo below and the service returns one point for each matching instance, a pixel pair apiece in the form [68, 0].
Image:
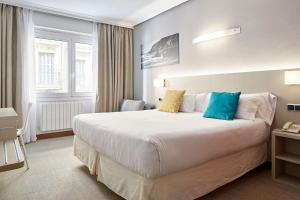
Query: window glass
[83, 68]
[51, 65]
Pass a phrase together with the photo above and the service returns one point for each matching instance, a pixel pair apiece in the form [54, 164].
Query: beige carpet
[56, 174]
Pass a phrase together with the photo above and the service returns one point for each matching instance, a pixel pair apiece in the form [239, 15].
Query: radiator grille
[58, 115]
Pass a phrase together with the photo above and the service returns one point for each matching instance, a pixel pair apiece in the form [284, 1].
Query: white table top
[8, 112]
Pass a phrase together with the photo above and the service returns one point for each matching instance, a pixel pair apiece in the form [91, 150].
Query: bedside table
[286, 157]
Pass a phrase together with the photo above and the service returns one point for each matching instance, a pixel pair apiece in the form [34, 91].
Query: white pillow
[206, 102]
[188, 103]
[266, 105]
[200, 101]
[247, 108]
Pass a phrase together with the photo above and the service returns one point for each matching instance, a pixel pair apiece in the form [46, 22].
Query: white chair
[132, 105]
[22, 131]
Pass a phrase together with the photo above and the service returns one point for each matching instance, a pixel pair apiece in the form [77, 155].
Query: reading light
[159, 82]
[218, 34]
[292, 77]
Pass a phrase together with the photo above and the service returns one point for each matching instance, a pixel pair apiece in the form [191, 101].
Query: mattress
[153, 143]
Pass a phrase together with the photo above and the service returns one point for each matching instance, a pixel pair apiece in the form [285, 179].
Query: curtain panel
[17, 65]
[28, 76]
[10, 57]
[115, 67]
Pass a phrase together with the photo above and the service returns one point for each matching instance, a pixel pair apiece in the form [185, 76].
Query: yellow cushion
[172, 101]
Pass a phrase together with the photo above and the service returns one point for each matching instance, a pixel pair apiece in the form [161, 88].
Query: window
[83, 68]
[64, 64]
[52, 65]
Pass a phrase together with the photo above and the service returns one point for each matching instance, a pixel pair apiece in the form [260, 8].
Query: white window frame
[71, 39]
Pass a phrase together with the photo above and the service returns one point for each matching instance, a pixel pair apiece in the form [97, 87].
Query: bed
[158, 155]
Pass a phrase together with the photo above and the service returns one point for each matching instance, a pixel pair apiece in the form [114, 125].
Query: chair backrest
[132, 105]
[25, 122]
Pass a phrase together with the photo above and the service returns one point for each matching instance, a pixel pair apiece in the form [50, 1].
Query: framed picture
[164, 52]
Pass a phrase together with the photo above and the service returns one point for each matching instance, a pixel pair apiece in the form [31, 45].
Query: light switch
[293, 107]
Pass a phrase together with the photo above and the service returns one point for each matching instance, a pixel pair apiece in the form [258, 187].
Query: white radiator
[58, 115]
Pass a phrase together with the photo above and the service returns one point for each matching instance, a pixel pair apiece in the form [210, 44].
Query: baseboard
[54, 134]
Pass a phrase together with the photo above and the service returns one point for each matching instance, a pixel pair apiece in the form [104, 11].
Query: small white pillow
[247, 108]
[266, 106]
[200, 101]
[188, 103]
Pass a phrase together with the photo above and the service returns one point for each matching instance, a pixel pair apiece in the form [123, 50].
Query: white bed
[158, 155]
[150, 154]
[153, 143]
[184, 185]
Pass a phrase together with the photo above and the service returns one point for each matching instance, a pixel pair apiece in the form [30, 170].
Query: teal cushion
[222, 105]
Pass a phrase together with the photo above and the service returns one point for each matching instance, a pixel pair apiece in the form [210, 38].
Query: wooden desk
[8, 124]
[11, 156]
[8, 112]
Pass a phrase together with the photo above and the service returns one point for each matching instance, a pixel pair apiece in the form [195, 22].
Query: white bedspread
[154, 143]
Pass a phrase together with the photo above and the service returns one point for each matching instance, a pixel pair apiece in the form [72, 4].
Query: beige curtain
[115, 79]
[10, 57]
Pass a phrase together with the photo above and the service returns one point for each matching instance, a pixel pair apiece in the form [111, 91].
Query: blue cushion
[222, 105]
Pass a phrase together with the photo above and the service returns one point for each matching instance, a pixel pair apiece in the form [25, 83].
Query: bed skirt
[188, 184]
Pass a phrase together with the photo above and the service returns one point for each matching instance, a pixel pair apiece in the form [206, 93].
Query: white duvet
[154, 143]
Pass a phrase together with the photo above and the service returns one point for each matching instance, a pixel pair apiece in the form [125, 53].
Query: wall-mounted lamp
[292, 77]
[159, 82]
[218, 34]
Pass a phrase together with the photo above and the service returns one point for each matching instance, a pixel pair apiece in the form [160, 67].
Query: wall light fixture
[216, 35]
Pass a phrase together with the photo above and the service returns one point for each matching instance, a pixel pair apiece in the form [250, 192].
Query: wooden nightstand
[286, 157]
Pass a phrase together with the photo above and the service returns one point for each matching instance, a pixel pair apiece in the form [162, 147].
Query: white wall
[61, 22]
[270, 39]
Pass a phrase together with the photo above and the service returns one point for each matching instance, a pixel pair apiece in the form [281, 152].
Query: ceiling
[119, 12]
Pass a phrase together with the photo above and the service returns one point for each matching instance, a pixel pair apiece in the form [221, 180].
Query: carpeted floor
[56, 174]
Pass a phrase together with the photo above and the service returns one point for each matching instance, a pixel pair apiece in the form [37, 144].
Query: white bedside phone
[291, 127]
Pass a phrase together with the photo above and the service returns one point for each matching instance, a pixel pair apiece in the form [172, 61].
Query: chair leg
[24, 150]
